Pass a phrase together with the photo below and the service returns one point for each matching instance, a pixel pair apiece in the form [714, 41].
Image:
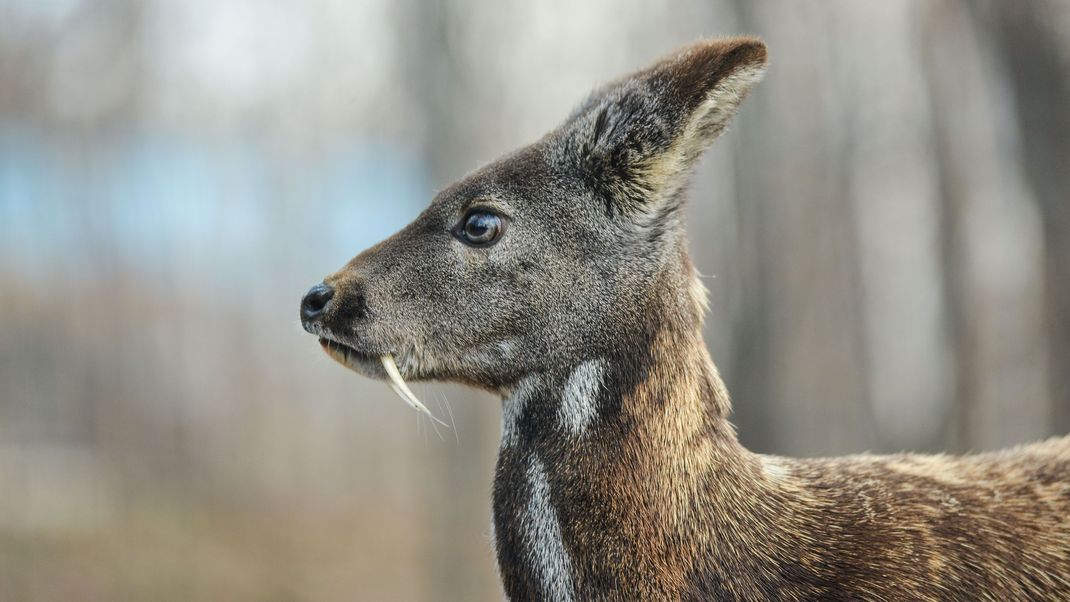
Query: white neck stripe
[579, 404]
[542, 536]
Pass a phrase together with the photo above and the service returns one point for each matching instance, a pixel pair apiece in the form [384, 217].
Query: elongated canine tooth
[398, 385]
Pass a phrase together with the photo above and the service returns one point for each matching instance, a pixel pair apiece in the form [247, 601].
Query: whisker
[453, 421]
[440, 437]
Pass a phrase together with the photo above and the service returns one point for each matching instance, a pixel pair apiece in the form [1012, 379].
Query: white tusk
[398, 385]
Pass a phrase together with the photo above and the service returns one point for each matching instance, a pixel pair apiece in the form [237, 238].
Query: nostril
[316, 301]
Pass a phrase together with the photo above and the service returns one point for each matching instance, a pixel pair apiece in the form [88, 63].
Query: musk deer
[558, 278]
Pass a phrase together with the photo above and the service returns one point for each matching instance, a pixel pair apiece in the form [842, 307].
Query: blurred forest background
[887, 231]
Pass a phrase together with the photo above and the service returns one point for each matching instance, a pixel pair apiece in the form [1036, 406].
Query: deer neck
[605, 466]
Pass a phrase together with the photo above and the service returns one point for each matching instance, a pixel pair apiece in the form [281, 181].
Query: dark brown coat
[558, 277]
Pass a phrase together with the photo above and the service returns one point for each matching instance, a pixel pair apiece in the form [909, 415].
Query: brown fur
[661, 502]
[679, 510]
[631, 484]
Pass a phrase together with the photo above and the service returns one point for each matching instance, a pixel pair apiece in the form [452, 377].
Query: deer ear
[636, 139]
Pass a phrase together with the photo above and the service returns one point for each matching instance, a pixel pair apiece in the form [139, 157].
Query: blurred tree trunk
[798, 236]
[996, 317]
[1036, 55]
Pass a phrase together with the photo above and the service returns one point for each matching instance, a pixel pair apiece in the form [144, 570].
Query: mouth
[358, 361]
[378, 366]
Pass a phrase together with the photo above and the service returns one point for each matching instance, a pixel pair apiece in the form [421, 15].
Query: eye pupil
[477, 227]
[481, 228]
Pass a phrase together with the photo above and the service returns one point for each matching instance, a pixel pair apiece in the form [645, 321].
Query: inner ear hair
[717, 77]
[638, 137]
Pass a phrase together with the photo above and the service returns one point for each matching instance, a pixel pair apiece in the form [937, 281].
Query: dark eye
[480, 229]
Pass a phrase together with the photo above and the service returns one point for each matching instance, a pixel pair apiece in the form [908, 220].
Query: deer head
[568, 249]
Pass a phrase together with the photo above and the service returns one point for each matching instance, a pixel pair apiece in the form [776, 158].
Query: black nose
[316, 301]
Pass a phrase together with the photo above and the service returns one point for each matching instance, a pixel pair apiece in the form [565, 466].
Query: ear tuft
[699, 68]
[714, 78]
[637, 138]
